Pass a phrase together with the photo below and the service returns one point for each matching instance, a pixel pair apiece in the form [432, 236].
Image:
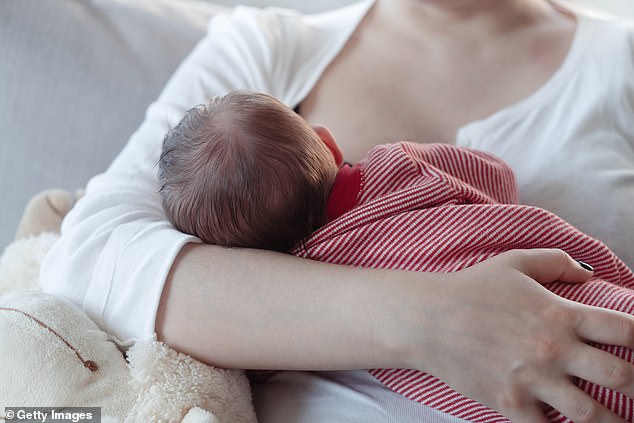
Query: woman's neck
[458, 19]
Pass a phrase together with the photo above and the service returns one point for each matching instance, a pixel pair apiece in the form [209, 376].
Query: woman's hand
[518, 345]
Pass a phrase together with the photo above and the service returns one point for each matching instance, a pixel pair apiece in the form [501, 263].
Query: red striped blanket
[440, 208]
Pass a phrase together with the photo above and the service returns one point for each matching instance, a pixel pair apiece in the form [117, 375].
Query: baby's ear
[329, 139]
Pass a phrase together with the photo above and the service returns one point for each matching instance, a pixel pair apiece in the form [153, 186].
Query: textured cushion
[51, 353]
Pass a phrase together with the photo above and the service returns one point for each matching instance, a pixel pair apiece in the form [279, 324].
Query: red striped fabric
[440, 208]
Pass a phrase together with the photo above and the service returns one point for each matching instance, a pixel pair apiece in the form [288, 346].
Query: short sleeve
[117, 247]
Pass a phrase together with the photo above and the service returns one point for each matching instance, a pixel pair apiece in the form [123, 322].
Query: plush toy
[52, 354]
[45, 212]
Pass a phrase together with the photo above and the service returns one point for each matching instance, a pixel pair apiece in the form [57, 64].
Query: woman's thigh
[343, 397]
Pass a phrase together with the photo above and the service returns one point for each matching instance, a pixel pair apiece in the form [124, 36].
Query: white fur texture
[21, 260]
[37, 368]
[169, 383]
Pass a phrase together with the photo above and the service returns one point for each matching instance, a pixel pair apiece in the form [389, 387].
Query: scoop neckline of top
[546, 90]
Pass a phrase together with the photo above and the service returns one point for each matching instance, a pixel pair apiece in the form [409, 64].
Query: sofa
[76, 77]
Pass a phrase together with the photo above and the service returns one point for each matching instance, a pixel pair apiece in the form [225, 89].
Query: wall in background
[309, 6]
[616, 7]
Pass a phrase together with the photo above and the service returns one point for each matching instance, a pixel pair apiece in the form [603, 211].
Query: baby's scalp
[245, 170]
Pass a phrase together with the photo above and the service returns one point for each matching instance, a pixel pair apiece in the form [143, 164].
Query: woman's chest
[379, 90]
[367, 109]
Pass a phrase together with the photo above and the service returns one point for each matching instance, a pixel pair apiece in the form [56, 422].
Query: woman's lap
[344, 397]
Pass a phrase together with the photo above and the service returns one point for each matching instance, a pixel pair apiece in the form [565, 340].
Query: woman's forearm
[259, 309]
[490, 332]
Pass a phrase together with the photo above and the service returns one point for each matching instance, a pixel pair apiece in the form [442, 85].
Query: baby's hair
[245, 170]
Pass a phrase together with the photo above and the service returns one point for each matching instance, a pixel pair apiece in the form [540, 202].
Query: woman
[410, 69]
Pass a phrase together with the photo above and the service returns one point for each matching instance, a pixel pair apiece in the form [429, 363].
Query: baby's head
[246, 171]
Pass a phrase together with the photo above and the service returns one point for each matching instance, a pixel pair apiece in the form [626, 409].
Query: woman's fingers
[540, 344]
[605, 326]
[590, 324]
[523, 343]
[602, 368]
[549, 265]
[574, 403]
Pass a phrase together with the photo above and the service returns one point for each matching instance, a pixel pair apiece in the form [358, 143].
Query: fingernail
[585, 266]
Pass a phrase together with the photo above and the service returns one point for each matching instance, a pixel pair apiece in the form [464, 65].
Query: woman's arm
[117, 246]
[490, 331]
[265, 310]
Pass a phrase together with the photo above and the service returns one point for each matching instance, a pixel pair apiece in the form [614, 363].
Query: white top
[571, 144]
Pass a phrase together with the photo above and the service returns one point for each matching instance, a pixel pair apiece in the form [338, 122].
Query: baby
[245, 170]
